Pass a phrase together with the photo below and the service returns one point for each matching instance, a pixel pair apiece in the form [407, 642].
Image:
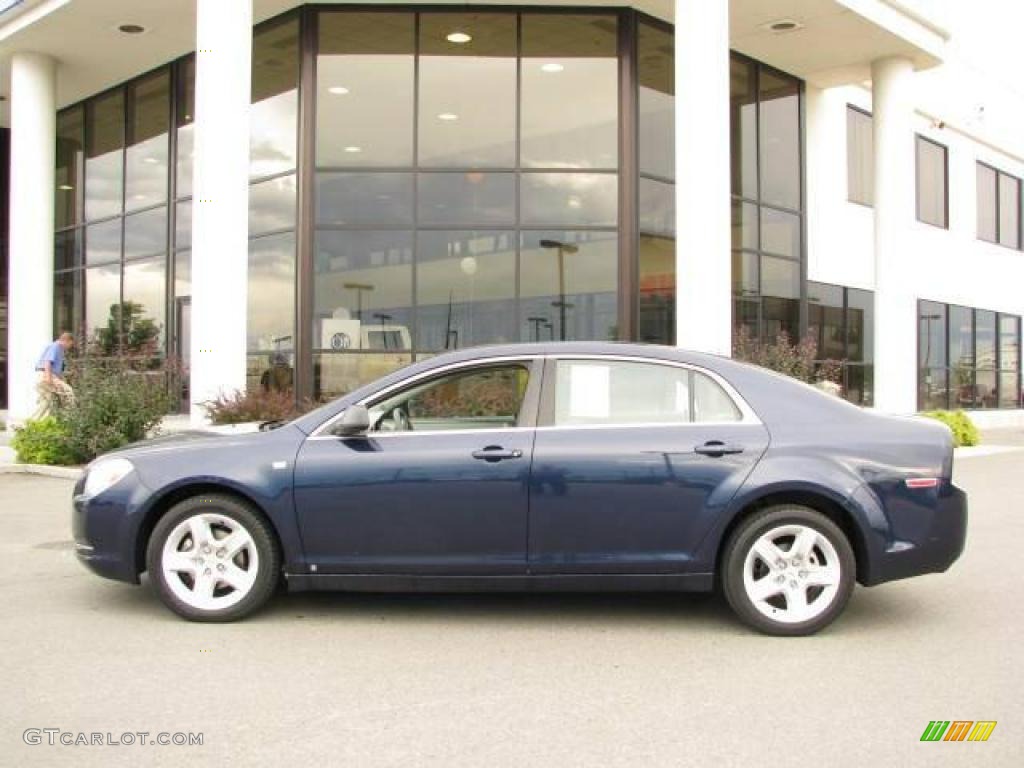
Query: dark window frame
[870, 192]
[760, 252]
[918, 137]
[948, 368]
[999, 175]
[845, 362]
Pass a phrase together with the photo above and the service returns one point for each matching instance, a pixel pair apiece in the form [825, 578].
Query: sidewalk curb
[64, 473]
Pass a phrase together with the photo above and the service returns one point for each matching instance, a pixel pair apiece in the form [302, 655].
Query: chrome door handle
[717, 448]
[497, 453]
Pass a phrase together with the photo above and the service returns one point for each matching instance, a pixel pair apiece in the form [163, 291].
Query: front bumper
[932, 544]
[105, 529]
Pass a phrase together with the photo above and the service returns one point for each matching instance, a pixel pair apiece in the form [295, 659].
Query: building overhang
[834, 43]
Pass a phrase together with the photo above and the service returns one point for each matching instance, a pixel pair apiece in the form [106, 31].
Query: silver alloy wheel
[791, 574]
[209, 561]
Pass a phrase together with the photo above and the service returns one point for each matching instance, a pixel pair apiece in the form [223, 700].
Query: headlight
[105, 474]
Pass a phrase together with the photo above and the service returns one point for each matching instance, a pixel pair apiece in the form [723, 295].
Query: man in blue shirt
[51, 389]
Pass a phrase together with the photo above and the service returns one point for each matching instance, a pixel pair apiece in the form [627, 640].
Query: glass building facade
[425, 180]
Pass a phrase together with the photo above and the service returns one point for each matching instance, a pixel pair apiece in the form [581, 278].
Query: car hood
[191, 439]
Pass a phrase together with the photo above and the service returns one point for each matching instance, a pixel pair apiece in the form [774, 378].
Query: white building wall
[947, 265]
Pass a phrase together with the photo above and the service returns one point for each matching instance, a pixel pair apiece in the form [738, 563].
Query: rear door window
[609, 392]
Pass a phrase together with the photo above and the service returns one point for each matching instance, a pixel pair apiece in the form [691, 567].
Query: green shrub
[43, 441]
[965, 433]
[254, 405]
[117, 401]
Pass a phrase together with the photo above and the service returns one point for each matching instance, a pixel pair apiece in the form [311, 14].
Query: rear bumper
[934, 549]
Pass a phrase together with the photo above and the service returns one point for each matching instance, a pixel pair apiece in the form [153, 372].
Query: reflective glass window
[364, 199]
[70, 166]
[365, 84]
[465, 289]
[104, 156]
[656, 101]
[860, 157]
[569, 95]
[145, 234]
[273, 118]
[779, 139]
[575, 199]
[272, 205]
[149, 110]
[467, 99]
[467, 198]
[987, 206]
[271, 294]
[568, 285]
[362, 291]
[931, 182]
[143, 308]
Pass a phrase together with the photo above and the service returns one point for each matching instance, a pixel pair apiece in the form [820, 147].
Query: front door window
[487, 398]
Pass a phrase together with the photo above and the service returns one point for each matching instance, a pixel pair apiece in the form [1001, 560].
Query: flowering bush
[798, 360]
[255, 405]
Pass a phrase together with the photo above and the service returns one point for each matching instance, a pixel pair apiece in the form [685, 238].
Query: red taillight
[917, 483]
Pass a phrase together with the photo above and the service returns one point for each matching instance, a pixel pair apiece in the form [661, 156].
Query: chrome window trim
[747, 414]
[318, 433]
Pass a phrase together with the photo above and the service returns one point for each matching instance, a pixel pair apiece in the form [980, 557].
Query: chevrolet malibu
[579, 466]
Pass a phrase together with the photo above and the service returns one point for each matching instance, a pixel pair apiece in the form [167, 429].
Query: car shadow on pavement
[869, 610]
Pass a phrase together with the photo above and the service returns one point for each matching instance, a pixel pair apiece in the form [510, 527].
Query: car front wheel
[213, 558]
[788, 570]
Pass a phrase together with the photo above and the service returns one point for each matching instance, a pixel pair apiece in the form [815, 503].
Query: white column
[220, 207]
[33, 157]
[895, 303]
[703, 257]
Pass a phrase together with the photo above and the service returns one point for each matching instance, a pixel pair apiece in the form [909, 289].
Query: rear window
[623, 392]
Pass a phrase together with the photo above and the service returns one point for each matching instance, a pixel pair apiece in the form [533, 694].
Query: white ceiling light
[65, 187]
[448, 116]
[552, 66]
[782, 26]
[338, 90]
[459, 38]
[353, 149]
[150, 160]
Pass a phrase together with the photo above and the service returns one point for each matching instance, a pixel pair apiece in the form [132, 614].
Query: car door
[632, 461]
[439, 485]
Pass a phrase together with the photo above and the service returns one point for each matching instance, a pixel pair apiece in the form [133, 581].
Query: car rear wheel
[788, 570]
[213, 558]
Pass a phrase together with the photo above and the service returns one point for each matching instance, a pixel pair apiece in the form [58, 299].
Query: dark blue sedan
[582, 466]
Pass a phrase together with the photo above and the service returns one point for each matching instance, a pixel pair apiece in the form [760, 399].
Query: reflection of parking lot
[514, 679]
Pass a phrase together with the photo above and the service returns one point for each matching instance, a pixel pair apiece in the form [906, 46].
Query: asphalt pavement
[510, 680]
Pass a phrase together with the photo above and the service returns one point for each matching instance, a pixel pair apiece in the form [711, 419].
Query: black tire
[268, 558]
[743, 539]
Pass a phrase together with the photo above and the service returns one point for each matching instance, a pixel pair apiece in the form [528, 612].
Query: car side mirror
[354, 421]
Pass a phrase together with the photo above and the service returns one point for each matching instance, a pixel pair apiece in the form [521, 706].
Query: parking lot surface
[512, 680]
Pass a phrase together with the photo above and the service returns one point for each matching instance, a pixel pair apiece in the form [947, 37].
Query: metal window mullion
[414, 244]
[517, 184]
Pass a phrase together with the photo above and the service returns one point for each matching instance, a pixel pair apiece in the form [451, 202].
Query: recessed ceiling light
[150, 160]
[132, 29]
[552, 66]
[353, 149]
[574, 202]
[448, 116]
[338, 90]
[459, 38]
[65, 187]
[780, 26]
